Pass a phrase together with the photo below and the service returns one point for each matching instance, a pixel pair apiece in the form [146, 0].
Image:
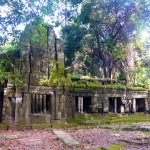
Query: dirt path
[89, 138]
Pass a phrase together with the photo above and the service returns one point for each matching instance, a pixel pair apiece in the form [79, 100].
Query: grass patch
[41, 126]
[90, 119]
[114, 147]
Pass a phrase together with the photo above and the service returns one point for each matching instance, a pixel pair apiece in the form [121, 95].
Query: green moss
[41, 126]
[114, 147]
[108, 119]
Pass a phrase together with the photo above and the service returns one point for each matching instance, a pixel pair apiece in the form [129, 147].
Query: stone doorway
[119, 105]
[87, 104]
[140, 104]
[115, 105]
[83, 104]
[48, 104]
[111, 105]
[76, 103]
[1, 105]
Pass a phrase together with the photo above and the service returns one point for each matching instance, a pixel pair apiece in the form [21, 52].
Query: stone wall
[32, 102]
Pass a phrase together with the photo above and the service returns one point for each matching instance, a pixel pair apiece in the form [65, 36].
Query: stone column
[10, 112]
[57, 115]
[80, 105]
[36, 103]
[106, 104]
[134, 105]
[62, 106]
[44, 103]
[16, 112]
[146, 105]
[28, 107]
[40, 101]
[53, 106]
[18, 103]
[33, 103]
[94, 103]
[115, 105]
[73, 107]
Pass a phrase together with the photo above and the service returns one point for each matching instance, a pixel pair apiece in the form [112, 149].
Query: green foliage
[58, 77]
[21, 12]
[114, 147]
[9, 55]
[92, 120]
[36, 34]
[111, 25]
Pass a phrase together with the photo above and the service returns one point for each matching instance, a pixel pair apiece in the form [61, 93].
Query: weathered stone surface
[66, 138]
[58, 103]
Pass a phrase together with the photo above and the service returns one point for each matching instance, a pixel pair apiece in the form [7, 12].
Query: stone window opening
[83, 104]
[48, 104]
[140, 105]
[41, 104]
[87, 102]
[115, 105]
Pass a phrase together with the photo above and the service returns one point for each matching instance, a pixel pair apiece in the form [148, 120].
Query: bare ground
[45, 139]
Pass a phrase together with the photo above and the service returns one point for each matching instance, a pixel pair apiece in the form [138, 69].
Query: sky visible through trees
[102, 38]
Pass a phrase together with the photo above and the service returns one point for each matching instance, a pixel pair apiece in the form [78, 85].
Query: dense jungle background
[106, 39]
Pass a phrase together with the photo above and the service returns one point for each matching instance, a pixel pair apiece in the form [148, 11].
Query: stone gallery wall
[25, 102]
[32, 102]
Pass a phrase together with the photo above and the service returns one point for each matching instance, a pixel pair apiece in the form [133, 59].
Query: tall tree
[113, 24]
[14, 12]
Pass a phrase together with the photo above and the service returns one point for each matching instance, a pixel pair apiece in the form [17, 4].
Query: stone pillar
[33, 103]
[28, 107]
[36, 103]
[40, 100]
[134, 105]
[62, 106]
[44, 103]
[18, 103]
[80, 105]
[53, 106]
[73, 107]
[122, 109]
[57, 115]
[10, 112]
[127, 106]
[115, 105]
[94, 101]
[146, 105]
[106, 104]
[16, 112]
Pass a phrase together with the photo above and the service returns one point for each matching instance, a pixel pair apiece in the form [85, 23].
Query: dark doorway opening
[119, 103]
[1, 105]
[111, 105]
[76, 103]
[87, 104]
[140, 104]
[48, 104]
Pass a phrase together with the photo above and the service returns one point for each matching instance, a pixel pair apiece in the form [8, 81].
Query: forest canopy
[102, 38]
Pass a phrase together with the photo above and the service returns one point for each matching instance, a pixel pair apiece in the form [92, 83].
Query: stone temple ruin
[31, 101]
